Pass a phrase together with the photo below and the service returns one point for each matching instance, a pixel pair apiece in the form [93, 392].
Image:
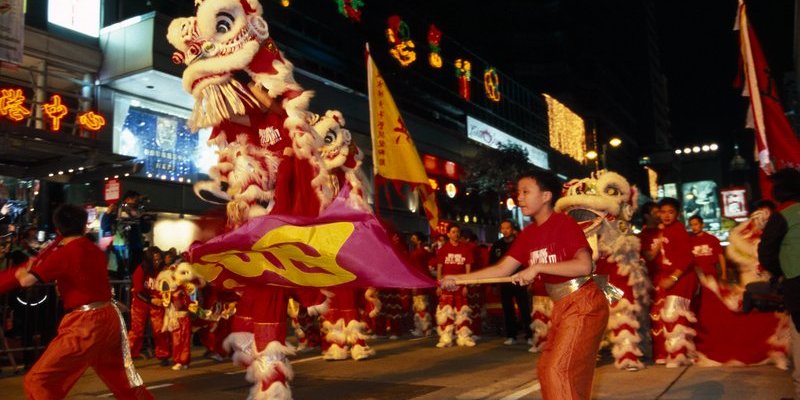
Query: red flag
[777, 144]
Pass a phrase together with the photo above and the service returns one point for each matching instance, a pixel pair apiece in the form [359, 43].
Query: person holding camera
[127, 223]
[779, 252]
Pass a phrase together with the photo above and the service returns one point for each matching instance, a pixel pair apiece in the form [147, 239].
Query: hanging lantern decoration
[434, 42]
[491, 84]
[286, 3]
[399, 36]
[464, 74]
[351, 9]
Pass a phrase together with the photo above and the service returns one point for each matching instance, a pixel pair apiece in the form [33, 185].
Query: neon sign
[464, 74]
[434, 42]
[399, 36]
[55, 110]
[12, 106]
[491, 84]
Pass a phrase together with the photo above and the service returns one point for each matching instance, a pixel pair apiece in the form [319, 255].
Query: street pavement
[415, 369]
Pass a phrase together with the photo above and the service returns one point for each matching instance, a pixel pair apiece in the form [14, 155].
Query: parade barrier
[29, 321]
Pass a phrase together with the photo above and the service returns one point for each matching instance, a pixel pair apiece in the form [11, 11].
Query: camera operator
[127, 222]
[779, 252]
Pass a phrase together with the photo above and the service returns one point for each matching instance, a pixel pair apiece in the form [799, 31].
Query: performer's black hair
[547, 182]
[669, 201]
[70, 220]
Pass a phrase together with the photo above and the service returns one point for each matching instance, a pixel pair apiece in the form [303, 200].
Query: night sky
[699, 49]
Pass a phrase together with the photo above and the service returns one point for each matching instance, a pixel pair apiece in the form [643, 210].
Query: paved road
[414, 369]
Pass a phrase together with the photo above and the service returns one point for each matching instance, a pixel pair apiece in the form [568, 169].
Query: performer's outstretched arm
[579, 265]
[505, 267]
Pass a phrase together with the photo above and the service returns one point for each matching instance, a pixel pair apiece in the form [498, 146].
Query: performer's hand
[20, 272]
[448, 283]
[525, 277]
[464, 291]
[666, 283]
[155, 302]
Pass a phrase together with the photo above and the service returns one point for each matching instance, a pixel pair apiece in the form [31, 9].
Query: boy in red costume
[676, 284]
[554, 249]
[453, 315]
[92, 333]
[648, 236]
[707, 250]
[146, 303]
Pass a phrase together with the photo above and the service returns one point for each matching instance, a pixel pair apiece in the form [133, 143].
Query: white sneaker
[393, 337]
[179, 367]
[509, 341]
[444, 344]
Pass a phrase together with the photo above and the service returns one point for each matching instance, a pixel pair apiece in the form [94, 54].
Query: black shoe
[165, 362]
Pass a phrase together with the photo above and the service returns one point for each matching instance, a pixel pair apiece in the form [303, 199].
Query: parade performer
[278, 194]
[761, 336]
[603, 205]
[420, 257]
[707, 250]
[219, 307]
[647, 237]
[453, 315]
[260, 127]
[343, 332]
[510, 293]
[178, 290]
[146, 304]
[371, 309]
[92, 333]
[554, 249]
[676, 284]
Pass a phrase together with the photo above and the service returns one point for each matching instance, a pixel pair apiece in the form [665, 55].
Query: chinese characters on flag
[12, 107]
[395, 156]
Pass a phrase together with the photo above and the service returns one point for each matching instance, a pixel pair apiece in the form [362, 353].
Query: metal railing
[30, 319]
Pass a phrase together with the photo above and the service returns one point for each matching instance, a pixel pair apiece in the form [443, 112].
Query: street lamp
[614, 142]
[591, 154]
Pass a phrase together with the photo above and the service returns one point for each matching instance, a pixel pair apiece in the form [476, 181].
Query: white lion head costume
[245, 89]
[341, 157]
[603, 205]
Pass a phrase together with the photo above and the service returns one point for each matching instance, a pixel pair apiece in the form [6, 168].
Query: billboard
[156, 135]
[700, 198]
[493, 137]
[734, 203]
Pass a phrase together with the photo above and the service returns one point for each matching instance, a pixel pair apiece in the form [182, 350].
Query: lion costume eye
[224, 22]
[330, 137]
[612, 191]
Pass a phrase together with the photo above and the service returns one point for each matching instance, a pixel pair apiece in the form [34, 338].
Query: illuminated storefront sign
[734, 203]
[493, 137]
[156, 135]
[700, 198]
[12, 107]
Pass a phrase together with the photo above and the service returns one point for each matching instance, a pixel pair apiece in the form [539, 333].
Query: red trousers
[85, 339]
[140, 311]
[566, 367]
[182, 341]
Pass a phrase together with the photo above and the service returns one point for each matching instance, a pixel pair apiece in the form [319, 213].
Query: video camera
[16, 208]
[133, 214]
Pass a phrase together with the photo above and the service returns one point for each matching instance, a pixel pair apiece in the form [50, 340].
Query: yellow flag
[393, 152]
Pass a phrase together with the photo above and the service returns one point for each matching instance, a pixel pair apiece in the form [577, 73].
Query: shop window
[78, 15]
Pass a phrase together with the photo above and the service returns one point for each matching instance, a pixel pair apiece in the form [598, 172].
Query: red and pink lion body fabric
[274, 158]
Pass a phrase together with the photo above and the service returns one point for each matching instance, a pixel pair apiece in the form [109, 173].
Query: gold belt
[558, 291]
[91, 306]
